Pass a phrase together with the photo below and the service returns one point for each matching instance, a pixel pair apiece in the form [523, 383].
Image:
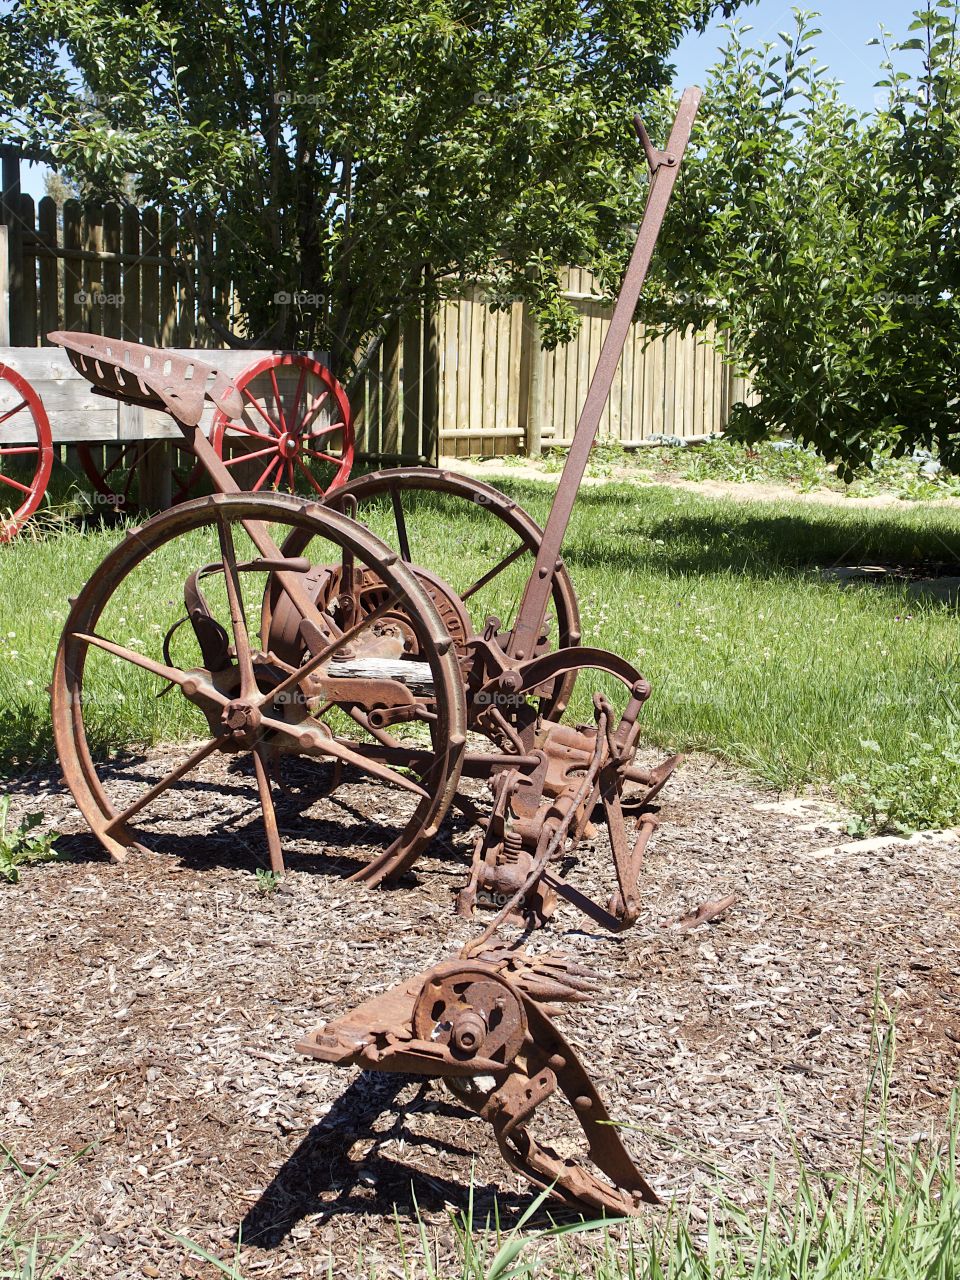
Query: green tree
[823, 242]
[340, 163]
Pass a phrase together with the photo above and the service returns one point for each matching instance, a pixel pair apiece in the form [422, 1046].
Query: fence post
[390, 394]
[10, 216]
[47, 269]
[430, 434]
[534, 434]
[4, 290]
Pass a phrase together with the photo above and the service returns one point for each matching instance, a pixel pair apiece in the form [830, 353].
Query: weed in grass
[23, 844]
[26, 1252]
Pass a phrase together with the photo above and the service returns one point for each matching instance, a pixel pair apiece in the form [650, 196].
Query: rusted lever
[655, 158]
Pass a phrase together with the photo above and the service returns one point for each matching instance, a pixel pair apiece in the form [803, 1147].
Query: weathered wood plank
[29, 298]
[112, 278]
[47, 270]
[150, 282]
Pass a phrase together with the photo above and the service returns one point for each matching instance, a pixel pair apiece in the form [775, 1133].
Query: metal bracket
[655, 158]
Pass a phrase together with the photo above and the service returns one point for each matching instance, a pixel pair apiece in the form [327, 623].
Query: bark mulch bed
[148, 1014]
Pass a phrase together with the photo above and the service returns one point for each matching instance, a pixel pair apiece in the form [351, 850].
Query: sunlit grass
[752, 652]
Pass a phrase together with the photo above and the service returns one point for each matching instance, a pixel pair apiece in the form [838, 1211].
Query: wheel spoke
[173, 675]
[325, 431]
[234, 429]
[158, 788]
[291, 478]
[314, 730]
[241, 640]
[118, 459]
[276, 461]
[24, 488]
[277, 400]
[324, 457]
[296, 398]
[492, 573]
[269, 812]
[400, 523]
[19, 448]
[15, 409]
[260, 409]
[310, 476]
[254, 453]
[131, 472]
[312, 411]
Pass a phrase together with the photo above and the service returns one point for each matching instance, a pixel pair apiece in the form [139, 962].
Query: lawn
[753, 653]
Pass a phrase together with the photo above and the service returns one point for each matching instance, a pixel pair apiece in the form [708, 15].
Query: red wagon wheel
[115, 478]
[296, 432]
[26, 451]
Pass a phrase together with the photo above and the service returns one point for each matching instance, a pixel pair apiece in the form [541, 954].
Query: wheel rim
[386, 489]
[114, 480]
[26, 452]
[118, 809]
[296, 433]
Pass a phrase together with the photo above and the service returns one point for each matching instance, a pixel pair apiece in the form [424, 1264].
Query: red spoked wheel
[296, 432]
[116, 479]
[26, 452]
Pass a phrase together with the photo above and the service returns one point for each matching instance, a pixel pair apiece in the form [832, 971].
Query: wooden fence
[494, 391]
[463, 381]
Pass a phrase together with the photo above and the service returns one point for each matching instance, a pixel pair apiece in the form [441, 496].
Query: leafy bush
[824, 243]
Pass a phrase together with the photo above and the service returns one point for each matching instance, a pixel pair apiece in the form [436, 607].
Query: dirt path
[738, 490]
[148, 1015]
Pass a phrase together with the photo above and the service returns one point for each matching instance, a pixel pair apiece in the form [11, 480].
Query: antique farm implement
[309, 650]
[294, 433]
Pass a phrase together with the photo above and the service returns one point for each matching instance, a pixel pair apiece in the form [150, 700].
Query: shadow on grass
[740, 540]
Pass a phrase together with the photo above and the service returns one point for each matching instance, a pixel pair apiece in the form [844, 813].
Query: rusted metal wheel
[114, 471]
[296, 433]
[26, 452]
[471, 546]
[244, 719]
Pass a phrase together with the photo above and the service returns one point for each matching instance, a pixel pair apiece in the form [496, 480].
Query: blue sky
[846, 26]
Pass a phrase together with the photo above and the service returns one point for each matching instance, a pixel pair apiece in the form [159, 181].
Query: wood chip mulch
[148, 1014]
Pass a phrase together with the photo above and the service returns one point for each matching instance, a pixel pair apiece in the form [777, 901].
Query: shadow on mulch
[312, 844]
[319, 1177]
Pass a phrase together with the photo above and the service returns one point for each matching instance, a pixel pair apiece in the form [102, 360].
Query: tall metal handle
[665, 166]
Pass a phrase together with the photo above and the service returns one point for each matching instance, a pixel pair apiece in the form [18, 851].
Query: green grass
[766, 463]
[27, 1250]
[722, 604]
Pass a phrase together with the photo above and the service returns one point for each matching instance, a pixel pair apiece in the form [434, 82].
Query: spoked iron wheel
[26, 452]
[296, 433]
[114, 471]
[471, 546]
[256, 733]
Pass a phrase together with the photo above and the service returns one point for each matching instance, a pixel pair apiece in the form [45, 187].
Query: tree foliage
[339, 162]
[824, 242]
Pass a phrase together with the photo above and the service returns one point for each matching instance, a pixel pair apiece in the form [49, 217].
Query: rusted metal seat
[149, 376]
